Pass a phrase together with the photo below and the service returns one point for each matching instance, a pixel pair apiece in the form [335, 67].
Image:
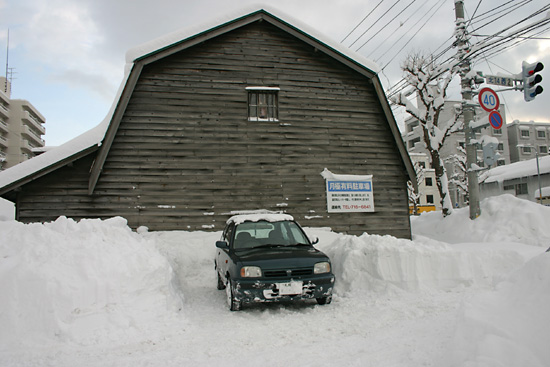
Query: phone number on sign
[349, 207]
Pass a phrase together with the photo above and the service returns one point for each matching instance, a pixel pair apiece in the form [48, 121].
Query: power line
[384, 27]
[361, 22]
[373, 24]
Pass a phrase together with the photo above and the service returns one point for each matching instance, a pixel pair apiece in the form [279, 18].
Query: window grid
[263, 105]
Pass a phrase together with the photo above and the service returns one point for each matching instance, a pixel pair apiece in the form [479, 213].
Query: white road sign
[488, 99]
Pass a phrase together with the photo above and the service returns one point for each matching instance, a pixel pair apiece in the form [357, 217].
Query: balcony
[4, 111]
[30, 119]
[26, 146]
[32, 136]
[3, 142]
[3, 126]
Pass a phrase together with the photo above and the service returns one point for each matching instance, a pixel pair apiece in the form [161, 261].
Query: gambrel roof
[101, 137]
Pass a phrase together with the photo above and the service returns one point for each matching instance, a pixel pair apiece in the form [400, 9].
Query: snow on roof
[545, 192]
[327, 175]
[183, 34]
[517, 170]
[96, 135]
[52, 156]
[269, 217]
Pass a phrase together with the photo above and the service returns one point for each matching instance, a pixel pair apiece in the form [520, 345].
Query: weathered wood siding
[185, 155]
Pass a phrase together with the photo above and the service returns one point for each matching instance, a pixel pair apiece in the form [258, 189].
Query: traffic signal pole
[467, 108]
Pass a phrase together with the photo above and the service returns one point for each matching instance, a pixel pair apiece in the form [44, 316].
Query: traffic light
[531, 79]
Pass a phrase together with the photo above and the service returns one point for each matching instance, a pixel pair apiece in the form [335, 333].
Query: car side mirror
[222, 244]
[314, 240]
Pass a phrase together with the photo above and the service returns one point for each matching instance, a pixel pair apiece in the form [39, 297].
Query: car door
[222, 254]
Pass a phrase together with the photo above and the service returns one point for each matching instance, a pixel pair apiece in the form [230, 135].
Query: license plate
[290, 288]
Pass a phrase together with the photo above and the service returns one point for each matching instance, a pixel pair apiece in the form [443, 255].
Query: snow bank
[509, 326]
[380, 265]
[503, 218]
[87, 282]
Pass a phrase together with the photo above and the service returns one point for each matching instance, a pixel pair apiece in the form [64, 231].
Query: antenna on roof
[9, 71]
[7, 62]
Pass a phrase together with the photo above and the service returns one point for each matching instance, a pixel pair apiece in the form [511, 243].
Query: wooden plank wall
[185, 156]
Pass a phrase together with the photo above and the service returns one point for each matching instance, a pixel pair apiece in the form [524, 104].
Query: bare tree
[429, 83]
[414, 195]
[459, 177]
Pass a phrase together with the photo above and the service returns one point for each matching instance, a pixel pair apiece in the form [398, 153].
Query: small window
[526, 150]
[497, 132]
[524, 133]
[429, 181]
[429, 199]
[543, 149]
[541, 134]
[263, 103]
[521, 189]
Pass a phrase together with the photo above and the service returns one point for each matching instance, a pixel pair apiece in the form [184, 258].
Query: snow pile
[95, 293]
[509, 326]
[385, 265]
[79, 282]
[503, 218]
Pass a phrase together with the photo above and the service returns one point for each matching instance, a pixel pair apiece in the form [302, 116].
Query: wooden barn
[240, 116]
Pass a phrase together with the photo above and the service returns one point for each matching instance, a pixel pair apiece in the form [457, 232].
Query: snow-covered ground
[462, 293]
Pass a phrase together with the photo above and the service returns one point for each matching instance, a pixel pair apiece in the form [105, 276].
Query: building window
[526, 150]
[429, 199]
[524, 133]
[521, 189]
[543, 149]
[541, 134]
[501, 162]
[429, 181]
[497, 132]
[263, 103]
[500, 146]
[413, 142]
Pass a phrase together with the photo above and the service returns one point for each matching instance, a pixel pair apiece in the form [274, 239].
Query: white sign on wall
[348, 193]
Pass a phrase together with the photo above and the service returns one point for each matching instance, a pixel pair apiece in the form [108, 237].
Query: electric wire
[384, 27]
[373, 24]
[361, 22]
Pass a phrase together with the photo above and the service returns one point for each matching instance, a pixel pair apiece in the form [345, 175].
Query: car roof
[256, 217]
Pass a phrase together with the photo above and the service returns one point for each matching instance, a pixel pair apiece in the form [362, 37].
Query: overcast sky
[68, 56]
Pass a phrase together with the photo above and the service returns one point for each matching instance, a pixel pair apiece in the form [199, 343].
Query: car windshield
[269, 234]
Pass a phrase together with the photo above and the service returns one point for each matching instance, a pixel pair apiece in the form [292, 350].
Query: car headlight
[251, 272]
[321, 268]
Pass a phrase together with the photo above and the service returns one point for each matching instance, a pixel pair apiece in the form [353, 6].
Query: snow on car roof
[256, 217]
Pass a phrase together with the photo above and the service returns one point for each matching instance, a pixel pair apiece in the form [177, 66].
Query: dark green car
[269, 258]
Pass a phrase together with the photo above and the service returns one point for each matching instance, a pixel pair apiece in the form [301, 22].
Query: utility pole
[462, 41]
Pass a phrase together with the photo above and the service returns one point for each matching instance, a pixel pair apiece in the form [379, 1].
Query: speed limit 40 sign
[488, 99]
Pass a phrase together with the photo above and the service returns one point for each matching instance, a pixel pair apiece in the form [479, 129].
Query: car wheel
[220, 284]
[232, 303]
[324, 300]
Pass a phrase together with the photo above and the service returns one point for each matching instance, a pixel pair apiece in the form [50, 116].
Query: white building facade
[21, 128]
[528, 139]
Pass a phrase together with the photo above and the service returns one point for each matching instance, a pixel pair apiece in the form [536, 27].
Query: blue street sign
[495, 119]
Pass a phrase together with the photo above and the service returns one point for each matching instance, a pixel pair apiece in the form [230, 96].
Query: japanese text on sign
[349, 196]
[499, 80]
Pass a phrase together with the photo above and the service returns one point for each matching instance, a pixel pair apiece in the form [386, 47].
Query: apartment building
[455, 147]
[21, 128]
[428, 194]
[528, 139]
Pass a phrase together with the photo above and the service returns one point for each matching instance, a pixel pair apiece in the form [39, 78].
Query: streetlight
[538, 169]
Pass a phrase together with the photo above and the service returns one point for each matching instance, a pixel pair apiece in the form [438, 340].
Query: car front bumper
[273, 290]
